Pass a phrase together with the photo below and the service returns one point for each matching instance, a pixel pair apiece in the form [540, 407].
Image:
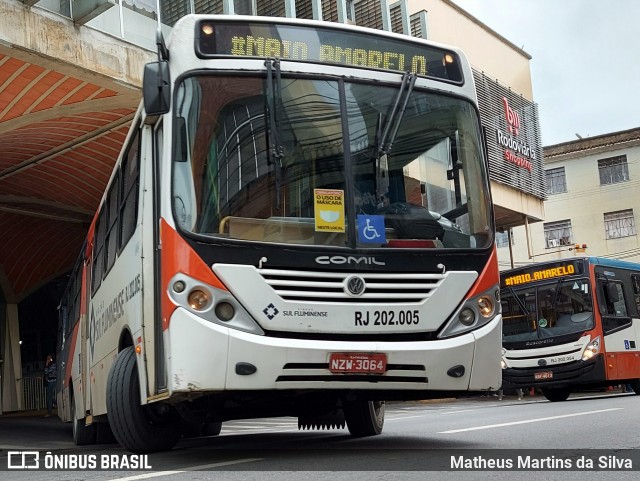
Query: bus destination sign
[325, 45]
[541, 273]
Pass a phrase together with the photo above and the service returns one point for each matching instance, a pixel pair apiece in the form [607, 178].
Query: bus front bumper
[574, 373]
[207, 357]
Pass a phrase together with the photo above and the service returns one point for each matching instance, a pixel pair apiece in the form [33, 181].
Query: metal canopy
[61, 130]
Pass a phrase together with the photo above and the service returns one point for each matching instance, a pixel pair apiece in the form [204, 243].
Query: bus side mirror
[156, 89]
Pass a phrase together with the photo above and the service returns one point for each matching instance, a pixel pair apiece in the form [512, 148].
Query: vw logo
[542, 362]
[355, 286]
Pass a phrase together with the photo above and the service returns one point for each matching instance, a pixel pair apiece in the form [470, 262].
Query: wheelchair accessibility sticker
[371, 229]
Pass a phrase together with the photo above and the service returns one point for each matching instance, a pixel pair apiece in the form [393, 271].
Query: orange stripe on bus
[489, 277]
[178, 256]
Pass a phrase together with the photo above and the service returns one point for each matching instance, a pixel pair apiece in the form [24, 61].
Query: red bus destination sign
[326, 45]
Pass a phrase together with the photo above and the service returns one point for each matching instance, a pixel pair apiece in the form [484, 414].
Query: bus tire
[364, 418]
[83, 435]
[556, 394]
[211, 429]
[635, 385]
[138, 428]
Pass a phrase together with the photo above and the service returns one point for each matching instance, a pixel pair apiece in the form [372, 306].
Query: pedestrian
[50, 377]
[520, 393]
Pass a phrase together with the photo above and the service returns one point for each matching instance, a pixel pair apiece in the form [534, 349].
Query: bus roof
[605, 262]
[600, 261]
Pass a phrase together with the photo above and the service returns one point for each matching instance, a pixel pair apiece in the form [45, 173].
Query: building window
[619, 224]
[556, 181]
[558, 234]
[613, 170]
[502, 239]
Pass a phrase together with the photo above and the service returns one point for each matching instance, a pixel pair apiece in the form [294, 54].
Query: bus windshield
[296, 161]
[544, 311]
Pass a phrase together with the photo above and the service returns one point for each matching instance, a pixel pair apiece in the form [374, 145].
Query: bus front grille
[314, 286]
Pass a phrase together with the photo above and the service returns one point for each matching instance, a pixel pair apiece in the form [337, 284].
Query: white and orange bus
[299, 224]
[571, 324]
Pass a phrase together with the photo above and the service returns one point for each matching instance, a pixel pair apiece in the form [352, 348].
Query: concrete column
[12, 365]
[290, 8]
[406, 18]
[316, 9]
[386, 15]
[342, 11]
[227, 7]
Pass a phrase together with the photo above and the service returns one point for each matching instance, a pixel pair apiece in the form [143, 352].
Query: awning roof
[60, 135]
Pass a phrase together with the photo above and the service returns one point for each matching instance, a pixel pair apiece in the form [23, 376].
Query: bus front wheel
[556, 394]
[364, 418]
[138, 428]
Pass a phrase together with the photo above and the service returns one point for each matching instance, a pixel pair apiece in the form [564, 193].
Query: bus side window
[613, 306]
[635, 282]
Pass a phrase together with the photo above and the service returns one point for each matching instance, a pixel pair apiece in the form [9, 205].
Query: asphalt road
[420, 441]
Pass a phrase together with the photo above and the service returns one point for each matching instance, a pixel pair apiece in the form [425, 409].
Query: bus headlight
[198, 299]
[211, 304]
[467, 316]
[485, 306]
[225, 311]
[592, 349]
[475, 312]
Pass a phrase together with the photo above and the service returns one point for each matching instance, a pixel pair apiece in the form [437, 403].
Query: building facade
[592, 187]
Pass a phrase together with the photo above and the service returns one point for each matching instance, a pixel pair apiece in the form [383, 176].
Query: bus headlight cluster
[212, 304]
[473, 313]
[198, 300]
[592, 349]
[225, 311]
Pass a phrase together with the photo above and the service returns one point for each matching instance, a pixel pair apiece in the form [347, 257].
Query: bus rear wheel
[364, 418]
[138, 428]
[82, 434]
[556, 394]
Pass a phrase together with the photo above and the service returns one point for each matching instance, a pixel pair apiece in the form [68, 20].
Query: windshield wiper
[275, 151]
[519, 301]
[385, 137]
[385, 142]
[556, 294]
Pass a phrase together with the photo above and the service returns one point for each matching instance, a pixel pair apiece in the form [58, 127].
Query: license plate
[542, 375]
[359, 362]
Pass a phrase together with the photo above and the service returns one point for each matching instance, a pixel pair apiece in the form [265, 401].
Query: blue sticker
[371, 229]
[626, 344]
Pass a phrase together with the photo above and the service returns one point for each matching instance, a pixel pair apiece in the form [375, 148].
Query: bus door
[61, 356]
[84, 366]
[619, 334]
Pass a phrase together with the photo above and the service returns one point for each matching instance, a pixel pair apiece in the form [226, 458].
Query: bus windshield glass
[321, 162]
[547, 310]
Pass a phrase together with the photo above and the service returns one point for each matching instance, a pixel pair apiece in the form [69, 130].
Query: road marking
[400, 418]
[189, 468]
[460, 411]
[527, 421]
[240, 432]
